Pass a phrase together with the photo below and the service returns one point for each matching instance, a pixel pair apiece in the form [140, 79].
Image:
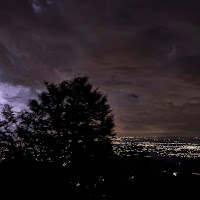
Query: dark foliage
[69, 122]
[68, 129]
[60, 148]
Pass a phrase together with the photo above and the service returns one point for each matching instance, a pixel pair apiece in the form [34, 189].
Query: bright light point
[191, 147]
[175, 173]
[78, 184]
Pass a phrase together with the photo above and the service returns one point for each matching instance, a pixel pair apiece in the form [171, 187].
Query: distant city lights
[186, 147]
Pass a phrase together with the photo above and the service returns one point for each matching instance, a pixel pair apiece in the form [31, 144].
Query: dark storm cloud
[193, 61]
[31, 49]
[143, 54]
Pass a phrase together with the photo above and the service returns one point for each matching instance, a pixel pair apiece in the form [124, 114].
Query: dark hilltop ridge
[58, 140]
[63, 147]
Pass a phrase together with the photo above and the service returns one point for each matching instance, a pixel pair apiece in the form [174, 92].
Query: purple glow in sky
[144, 54]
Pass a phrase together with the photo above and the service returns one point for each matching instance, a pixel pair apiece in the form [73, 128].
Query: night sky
[145, 54]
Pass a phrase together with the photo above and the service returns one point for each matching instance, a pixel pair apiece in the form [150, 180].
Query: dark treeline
[60, 148]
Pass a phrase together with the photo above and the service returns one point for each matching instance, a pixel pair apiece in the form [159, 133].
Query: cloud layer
[143, 54]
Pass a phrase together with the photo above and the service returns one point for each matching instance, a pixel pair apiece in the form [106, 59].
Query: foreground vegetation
[61, 148]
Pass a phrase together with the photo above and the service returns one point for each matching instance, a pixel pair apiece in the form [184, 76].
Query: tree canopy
[69, 120]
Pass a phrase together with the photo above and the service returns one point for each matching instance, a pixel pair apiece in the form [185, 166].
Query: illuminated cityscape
[185, 147]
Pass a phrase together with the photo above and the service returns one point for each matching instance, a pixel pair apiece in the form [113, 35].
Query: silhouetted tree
[69, 126]
[10, 142]
[68, 120]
